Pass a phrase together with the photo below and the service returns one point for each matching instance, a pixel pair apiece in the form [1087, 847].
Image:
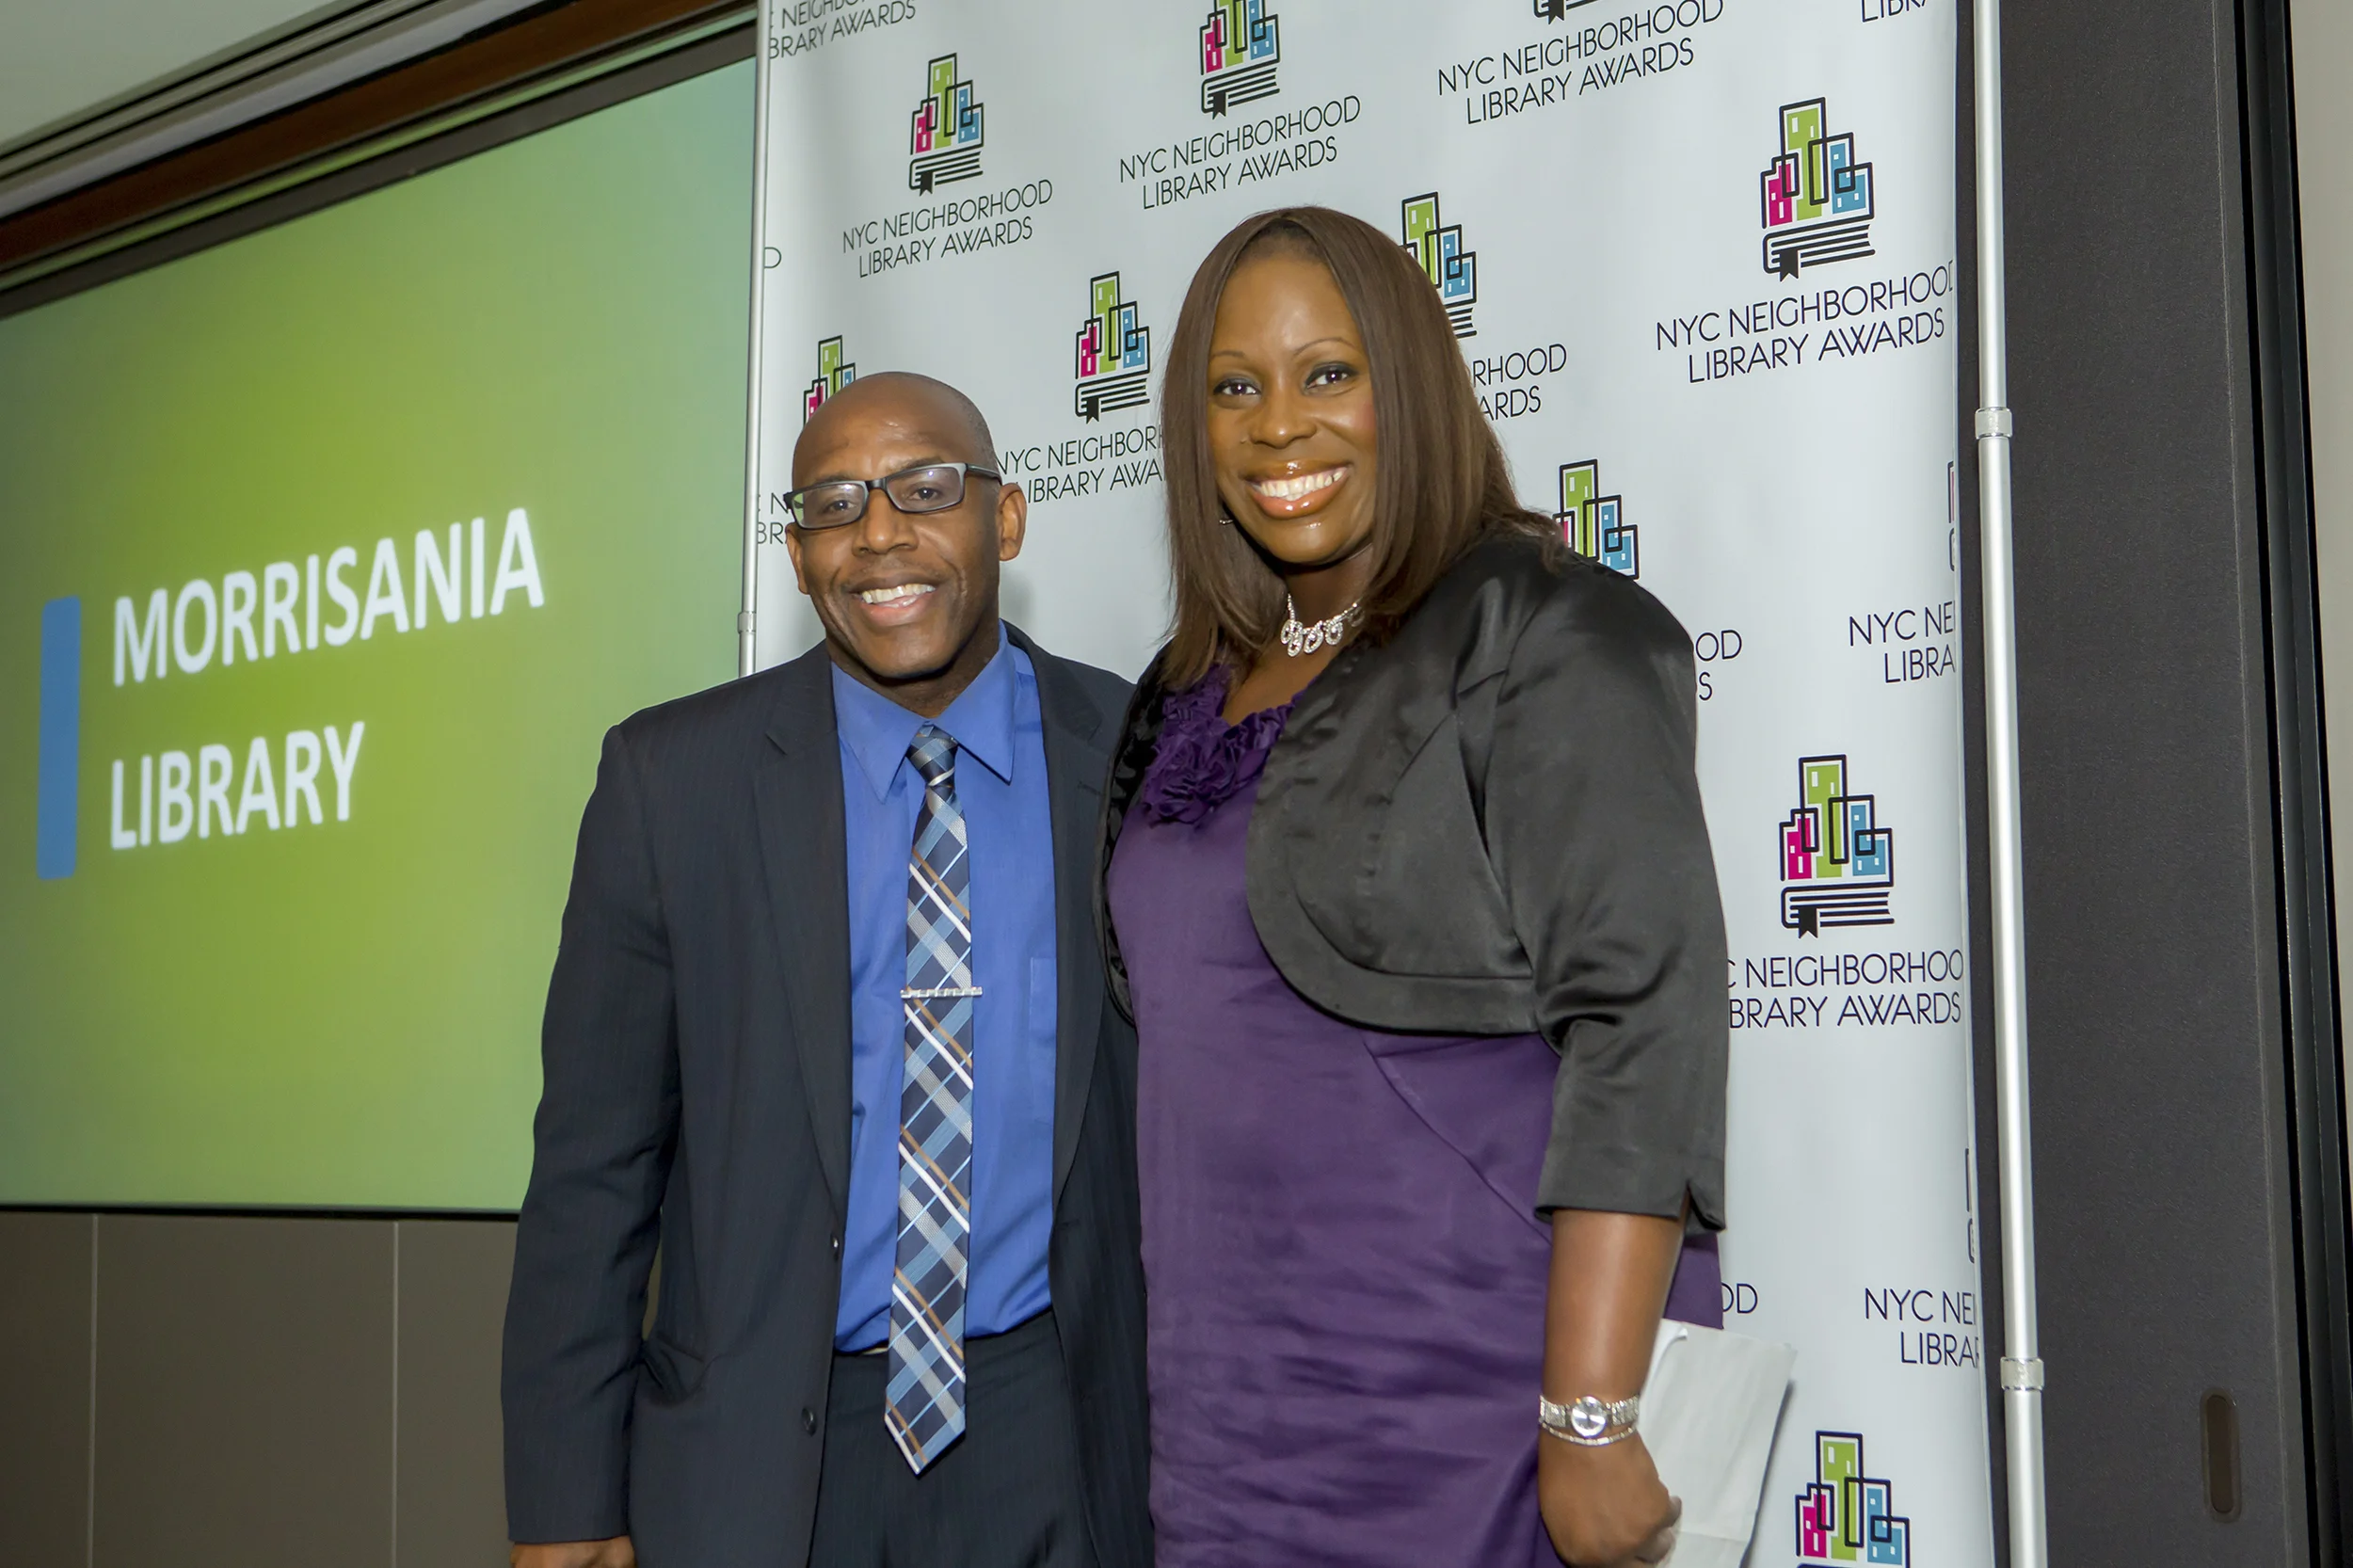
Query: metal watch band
[1588, 1421]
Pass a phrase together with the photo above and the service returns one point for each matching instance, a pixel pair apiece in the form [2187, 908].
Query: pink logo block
[1780, 190]
[1796, 856]
[1818, 1519]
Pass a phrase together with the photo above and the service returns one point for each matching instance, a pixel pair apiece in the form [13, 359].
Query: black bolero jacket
[1490, 824]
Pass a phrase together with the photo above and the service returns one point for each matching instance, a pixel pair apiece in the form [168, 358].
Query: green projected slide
[327, 556]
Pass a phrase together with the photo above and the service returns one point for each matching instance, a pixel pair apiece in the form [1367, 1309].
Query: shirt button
[837, 1246]
[809, 1421]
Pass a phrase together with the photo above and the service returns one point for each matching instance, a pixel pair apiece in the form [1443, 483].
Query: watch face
[1589, 1418]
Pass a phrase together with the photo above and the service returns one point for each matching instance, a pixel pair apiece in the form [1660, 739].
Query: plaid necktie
[925, 1407]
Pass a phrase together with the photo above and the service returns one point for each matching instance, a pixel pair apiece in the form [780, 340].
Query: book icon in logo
[1241, 46]
[1115, 353]
[1437, 248]
[1816, 194]
[1837, 864]
[945, 134]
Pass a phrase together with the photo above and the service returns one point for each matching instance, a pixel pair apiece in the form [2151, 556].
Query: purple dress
[1345, 1274]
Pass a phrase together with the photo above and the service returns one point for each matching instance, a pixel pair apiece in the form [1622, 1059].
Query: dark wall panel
[245, 1392]
[2155, 982]
[453, 1299]
[44, 1389]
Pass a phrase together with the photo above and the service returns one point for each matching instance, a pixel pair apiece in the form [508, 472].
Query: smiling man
[828, 1024]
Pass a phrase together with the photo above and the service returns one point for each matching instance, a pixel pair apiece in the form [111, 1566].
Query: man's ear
[1013, 521]
[792, 549]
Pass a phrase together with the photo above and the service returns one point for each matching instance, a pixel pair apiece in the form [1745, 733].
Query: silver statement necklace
[1300, 638]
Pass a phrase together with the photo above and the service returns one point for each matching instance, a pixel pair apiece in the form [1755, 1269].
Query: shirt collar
[877, 731]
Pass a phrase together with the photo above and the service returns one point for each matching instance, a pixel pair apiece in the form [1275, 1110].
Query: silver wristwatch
[1588, 1421]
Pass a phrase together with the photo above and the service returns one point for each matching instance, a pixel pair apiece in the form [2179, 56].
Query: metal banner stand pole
[746, 645]
[2022, 1359]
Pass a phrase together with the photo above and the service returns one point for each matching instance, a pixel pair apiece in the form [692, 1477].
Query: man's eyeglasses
[839, 502]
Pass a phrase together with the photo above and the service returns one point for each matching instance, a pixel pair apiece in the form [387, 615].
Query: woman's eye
[1233, 386]
[1326, 376]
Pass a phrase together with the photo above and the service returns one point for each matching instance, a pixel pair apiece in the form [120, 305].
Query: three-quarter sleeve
[1595, 830]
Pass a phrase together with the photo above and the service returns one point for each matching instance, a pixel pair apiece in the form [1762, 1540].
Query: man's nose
[883, 528]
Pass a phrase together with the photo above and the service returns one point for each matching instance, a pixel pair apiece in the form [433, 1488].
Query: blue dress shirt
[1000, 784]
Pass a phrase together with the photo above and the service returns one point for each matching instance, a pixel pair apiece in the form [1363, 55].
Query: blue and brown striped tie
[924, 1405]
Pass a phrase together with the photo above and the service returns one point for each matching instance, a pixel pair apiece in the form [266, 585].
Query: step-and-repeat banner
[1700, 254]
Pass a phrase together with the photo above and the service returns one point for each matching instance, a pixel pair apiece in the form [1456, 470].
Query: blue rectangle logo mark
[60, 737]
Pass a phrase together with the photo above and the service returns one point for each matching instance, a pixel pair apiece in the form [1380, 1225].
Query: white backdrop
[1701, 254]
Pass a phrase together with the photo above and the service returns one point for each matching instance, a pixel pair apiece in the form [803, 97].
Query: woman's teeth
[1303, 484]
[894, 596]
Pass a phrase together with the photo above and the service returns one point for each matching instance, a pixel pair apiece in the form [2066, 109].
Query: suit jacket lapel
[1075, 761]
[799, 797]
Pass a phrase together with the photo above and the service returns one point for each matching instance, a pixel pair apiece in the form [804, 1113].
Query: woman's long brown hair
[1440, 485]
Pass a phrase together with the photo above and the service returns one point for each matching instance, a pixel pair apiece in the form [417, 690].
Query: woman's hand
[1604, 1508]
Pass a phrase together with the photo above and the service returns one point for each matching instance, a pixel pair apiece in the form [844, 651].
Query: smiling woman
[1273, 420]
[1410, 899]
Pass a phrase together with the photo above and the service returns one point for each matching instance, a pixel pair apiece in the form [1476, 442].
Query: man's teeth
[1306, 484]
[894, 596]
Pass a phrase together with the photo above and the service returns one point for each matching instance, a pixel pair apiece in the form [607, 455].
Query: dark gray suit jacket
[697, 1053]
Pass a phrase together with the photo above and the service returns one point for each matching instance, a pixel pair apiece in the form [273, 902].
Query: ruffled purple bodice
[1203, 762]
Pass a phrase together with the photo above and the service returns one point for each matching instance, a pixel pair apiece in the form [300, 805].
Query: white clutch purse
[1709, 1410]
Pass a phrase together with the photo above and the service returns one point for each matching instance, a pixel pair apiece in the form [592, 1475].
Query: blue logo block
[60, 737]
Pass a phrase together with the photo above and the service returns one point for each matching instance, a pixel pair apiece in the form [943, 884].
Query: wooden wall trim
[552, 39]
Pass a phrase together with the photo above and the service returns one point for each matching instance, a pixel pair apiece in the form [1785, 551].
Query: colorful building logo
[1593, 523]
[1846, 1516]
[945, 132]
[1240, 47]
[1817, 195]
[1115, 353]
[1837, 864]
[1438, 251]
[832, 374]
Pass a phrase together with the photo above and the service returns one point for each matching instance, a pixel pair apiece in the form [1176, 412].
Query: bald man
[827, 1025]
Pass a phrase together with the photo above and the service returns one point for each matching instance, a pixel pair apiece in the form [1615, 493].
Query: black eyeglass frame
[795, 501]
